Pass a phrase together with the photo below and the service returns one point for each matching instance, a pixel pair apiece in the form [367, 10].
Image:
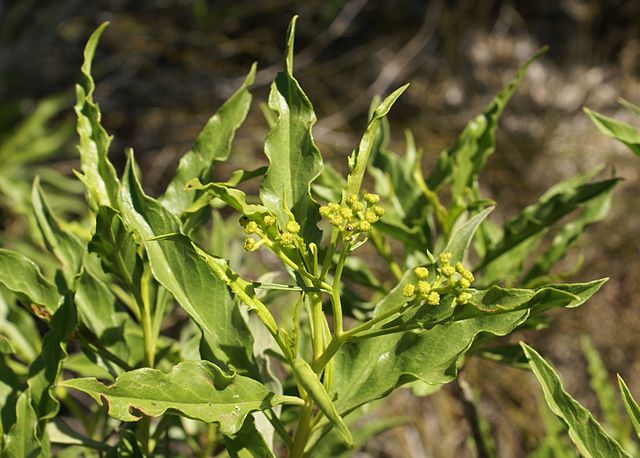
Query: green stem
[439, 209]
[303, 431]
[147, 320]
[336, 300]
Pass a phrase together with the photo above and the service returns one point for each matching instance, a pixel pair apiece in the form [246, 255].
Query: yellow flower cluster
[267, 230]
[353, 216]
[447, 279]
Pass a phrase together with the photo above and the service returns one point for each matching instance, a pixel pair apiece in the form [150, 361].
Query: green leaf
[635, 109]
[359, 159]
[585, 432]
[461, 237]
[182, 271]
[552, 206]
[594, 210]
[631, 405]
[66, 247]
[212, 144]
[22, 439]
[248, 442]
[619, 130]
[599, 381]
[46, 368]
[496, 300]
[98, 174]
[114, 243]
[22, 277]
[235, 198]
[369, 369]
[314, 387]
[294, 160]
[194, 389]
[19, 327]
[462, 162]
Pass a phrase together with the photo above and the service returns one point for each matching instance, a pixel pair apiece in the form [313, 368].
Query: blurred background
[164, 66]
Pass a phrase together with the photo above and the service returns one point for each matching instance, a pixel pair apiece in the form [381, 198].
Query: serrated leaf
[181, 270]
[212, 144]
[462, 162]
[294, 160]
[619, 130]
[585, 432]
[22, 277]
[195, 389]
[630, 404]
[99, 175]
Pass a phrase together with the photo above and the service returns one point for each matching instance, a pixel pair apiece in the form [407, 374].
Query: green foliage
[152, 312]
[589, 437]
[619, 130]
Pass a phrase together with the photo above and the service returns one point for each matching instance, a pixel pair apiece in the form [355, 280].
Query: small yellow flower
[448, 271]
[468, 276]
[357, 206]
[378, 210]
[250, 244]
[352, 199]
[364, 226]
[424, 288]
[464, 298]
[346, 213]
[371, 217]
[293, 227]
[270, 220]
[464, 283]
[445, 257]
[371, 198]
[421, 272]
[433, 299]
[286, 240]
[251, 227]
[408, 290]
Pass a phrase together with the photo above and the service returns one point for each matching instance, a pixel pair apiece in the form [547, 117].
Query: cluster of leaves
[338, 332]
[589, 437]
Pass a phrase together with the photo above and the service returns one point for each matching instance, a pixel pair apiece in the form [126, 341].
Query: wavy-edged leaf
[461, 237]
[248, 442]
[594, 210]
[585, 432]
[115, 245]
[369, 369]
[22, 277]
[599, 381]
[212, 144]
[98, 174]
[461, 163]
[619, 130]
[181, 270]
[66, 247]
[294, 159]
[194, 389]
[552, 206]
[359, 159]
[233, 197]
[633, 410]
[22, 439]
[46, 368]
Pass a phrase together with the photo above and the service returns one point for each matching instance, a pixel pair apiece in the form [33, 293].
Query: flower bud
[433, 299]
[371, 198]
[293, 227]
[408, 290]
[251, 227]
[250, 244]
[270, 220]
[424, 288]
[421, 272]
